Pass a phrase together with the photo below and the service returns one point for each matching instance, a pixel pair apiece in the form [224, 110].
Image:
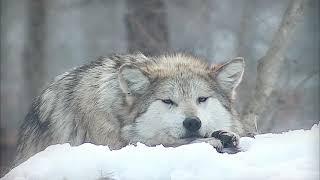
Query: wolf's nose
[192, 123]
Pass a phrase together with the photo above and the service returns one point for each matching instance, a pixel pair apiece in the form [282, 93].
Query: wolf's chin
[191, 136]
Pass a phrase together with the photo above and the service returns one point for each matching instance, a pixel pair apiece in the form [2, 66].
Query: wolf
[173, 99]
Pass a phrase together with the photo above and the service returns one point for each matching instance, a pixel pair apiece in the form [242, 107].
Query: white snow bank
[291, 155]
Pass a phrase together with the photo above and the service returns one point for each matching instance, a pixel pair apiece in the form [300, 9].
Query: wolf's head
[179, 97]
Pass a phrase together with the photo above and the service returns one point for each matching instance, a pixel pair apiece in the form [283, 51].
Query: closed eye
[167, 101]
[202, 99]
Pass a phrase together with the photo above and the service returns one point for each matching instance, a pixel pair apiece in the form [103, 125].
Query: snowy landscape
[289, 155]
[41, 39]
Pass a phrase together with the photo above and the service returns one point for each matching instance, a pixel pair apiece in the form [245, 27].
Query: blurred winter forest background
[43, 38]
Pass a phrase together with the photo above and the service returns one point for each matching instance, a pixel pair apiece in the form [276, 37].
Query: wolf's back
[67, 109]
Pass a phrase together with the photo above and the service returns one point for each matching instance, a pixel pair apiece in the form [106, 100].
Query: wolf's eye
[167, 101]
[202, 99]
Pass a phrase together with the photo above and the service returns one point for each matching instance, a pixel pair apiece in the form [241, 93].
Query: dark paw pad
[228, 139]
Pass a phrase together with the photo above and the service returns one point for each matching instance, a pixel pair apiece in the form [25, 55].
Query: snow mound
[290, 155]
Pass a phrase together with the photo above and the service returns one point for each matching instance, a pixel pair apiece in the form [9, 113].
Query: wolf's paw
[228, 139]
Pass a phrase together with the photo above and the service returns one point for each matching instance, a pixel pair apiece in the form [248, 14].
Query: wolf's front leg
[214, 142]
[222, 141]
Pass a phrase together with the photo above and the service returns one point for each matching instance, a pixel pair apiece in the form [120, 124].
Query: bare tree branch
[269, 66]
[305, 80]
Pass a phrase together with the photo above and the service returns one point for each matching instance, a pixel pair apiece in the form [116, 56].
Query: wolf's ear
[133, 80]
[229, 74]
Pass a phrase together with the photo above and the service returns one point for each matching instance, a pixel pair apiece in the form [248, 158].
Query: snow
[290, 155]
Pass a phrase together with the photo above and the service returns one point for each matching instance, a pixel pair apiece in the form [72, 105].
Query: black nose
[192, 124]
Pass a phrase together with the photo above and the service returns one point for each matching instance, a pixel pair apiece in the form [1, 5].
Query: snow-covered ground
[290, 155]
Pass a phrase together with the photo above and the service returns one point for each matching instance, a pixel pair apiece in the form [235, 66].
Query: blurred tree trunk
[243, 49]
[247, 14]
[34, 48]
[269, 66]
[147, 29]
[12, 17]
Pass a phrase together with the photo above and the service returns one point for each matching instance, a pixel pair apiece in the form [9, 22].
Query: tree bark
[247, 14]
[269, 66]
[34, 63]
[147, 29]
